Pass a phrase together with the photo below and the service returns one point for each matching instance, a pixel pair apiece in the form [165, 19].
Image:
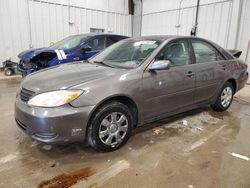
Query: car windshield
[69, 42]
[126, 53]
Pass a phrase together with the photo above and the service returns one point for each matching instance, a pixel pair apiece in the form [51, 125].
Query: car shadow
[179, 117]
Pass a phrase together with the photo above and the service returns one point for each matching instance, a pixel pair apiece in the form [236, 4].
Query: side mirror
[160, 65]
[85, 48]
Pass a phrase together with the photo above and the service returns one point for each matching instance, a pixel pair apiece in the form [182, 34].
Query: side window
[205, 52]
[176, 52]
[110, 40]
[97, 44]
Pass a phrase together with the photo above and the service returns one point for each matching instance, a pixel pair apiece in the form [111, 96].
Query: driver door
[168, 90]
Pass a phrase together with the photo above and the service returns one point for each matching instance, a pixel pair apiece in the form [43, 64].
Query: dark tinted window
[176, 52]
[111, 40]
[97, 43]
[204, 52]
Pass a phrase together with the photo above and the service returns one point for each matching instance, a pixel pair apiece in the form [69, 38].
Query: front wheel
[224, 98]
[110, 127]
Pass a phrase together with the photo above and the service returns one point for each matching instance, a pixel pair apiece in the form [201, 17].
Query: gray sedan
[129, 84]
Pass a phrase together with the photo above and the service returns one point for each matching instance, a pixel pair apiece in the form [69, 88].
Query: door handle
[190, 74]
[224, 67]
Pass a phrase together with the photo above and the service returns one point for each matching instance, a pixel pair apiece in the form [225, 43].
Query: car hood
[30, 54]
[67, 75]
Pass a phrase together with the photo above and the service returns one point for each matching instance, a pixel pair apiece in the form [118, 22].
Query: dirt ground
[200, 148]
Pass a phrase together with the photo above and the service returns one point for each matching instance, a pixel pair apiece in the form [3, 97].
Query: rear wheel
[225, 98]
[110, 127]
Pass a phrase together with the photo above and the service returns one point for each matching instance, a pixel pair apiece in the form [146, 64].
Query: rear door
[168, 90]
[209, 68]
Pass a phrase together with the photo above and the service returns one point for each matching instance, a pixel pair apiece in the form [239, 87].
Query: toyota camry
[131, 83]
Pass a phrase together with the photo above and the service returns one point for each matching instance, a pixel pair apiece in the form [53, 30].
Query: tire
[110, 127]
[8, 72]
[224, 100]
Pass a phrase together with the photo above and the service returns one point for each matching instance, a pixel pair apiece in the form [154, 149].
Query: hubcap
[8, 72]
[226, 96]
[113, 128]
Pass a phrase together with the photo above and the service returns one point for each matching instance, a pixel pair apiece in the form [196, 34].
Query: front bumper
[53, 125]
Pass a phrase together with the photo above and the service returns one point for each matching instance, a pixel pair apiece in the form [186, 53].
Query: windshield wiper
[102, 63]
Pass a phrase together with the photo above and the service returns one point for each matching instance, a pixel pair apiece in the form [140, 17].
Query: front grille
[26, 94]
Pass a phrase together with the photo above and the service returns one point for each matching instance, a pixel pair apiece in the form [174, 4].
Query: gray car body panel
[63, 123]
[157, 94]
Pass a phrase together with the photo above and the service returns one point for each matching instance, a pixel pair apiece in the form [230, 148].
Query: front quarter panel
[127, 84]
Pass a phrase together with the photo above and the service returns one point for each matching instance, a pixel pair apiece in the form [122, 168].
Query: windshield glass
[126, 53]
[69, 42]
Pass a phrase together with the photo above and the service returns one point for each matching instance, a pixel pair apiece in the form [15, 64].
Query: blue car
[72, 48]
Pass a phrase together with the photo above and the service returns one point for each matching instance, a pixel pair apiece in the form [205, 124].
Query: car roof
[98, 34]
[162, 38]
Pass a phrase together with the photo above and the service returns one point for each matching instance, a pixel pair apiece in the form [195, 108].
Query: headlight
[54, 98]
